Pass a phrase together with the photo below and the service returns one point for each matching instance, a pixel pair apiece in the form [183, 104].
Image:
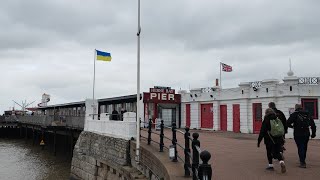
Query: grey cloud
[48, 46]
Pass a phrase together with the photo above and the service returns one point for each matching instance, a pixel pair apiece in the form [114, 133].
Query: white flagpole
[94, 79]
[220, 75]
[138, 87]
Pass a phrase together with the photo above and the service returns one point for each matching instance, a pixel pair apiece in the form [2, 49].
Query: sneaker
[303, 165]
[283, 167]
[270, 168]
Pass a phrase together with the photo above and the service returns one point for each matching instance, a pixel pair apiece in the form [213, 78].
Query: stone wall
[150, 165]
[99, 157]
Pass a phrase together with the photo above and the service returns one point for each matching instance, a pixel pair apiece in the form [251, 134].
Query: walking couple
[273, 130]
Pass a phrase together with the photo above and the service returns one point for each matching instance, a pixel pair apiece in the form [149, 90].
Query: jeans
[302, 144]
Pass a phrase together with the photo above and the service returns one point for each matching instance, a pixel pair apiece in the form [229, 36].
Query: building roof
[63, 105]
[103, 100]
[119, 98]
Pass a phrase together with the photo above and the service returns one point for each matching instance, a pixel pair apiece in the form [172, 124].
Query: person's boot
[283, 167]
[303, 165]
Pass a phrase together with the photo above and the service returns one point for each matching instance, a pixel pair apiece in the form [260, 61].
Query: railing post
[161, 136]
[174, 141]
[205, 170]
[195, 155]
[149, 131]
[187, 164]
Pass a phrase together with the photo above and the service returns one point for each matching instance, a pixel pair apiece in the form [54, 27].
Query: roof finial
[290, 63]
[290, 73]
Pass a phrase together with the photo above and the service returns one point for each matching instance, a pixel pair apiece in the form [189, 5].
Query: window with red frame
[311, 106]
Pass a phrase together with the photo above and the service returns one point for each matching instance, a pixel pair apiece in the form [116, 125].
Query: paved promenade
[236, 156]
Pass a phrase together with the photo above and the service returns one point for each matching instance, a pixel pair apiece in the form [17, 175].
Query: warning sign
[42, 143]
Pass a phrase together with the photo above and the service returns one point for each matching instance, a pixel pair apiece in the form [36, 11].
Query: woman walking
[272, 131]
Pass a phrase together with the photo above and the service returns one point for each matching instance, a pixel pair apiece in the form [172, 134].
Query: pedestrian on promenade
[283, 119]
[272, 132]
[115, 115]
[301, 121]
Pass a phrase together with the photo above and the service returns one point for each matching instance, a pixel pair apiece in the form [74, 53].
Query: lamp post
[138, 87]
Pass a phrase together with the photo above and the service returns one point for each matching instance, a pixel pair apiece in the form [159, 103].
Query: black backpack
[303, 121]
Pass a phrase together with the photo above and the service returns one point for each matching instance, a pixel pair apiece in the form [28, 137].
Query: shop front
[161, 103]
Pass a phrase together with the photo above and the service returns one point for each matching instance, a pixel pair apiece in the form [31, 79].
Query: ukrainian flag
[103, 56]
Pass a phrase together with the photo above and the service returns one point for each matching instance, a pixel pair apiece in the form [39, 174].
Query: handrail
[180, 131]
[192, 164]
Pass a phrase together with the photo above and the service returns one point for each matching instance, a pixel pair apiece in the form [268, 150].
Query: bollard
[205, 170]
[174, 141]
[42, 139]
[195, 154]
[187, 164]
[161, 136]
[55, 143]
[149, 131]
[33, 136]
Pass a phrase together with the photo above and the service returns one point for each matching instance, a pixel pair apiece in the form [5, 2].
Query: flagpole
[138, 88]
[220, 77]
[94, 79]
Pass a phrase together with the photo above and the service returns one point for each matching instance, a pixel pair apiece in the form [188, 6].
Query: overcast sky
[47, 46]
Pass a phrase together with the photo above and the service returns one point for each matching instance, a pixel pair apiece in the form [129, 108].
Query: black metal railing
[309, 80]
[191, 160]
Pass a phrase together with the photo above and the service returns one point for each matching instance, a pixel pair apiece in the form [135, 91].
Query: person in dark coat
[301, 121]
[122, 112]
[273, 144]
[115, 115]
[283, 119]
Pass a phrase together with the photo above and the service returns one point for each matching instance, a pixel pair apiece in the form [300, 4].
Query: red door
[257, 117]
[236, 118]
[223, 117]
[207, 116]
[188, 115]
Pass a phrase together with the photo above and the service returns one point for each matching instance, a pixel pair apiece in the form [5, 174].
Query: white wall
[183, 115]
[216, 115]
[125, 129]
[194, 115]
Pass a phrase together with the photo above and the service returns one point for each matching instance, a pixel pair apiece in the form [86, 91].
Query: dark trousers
[273, 151]
[302, 144]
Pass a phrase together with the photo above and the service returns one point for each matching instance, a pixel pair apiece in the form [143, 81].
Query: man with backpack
[301, 122]
[272, 131]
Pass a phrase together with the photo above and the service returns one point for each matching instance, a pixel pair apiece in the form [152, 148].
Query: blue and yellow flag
[103, 56]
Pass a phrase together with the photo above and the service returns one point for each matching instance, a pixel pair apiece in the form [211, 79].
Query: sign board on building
[162, 95]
